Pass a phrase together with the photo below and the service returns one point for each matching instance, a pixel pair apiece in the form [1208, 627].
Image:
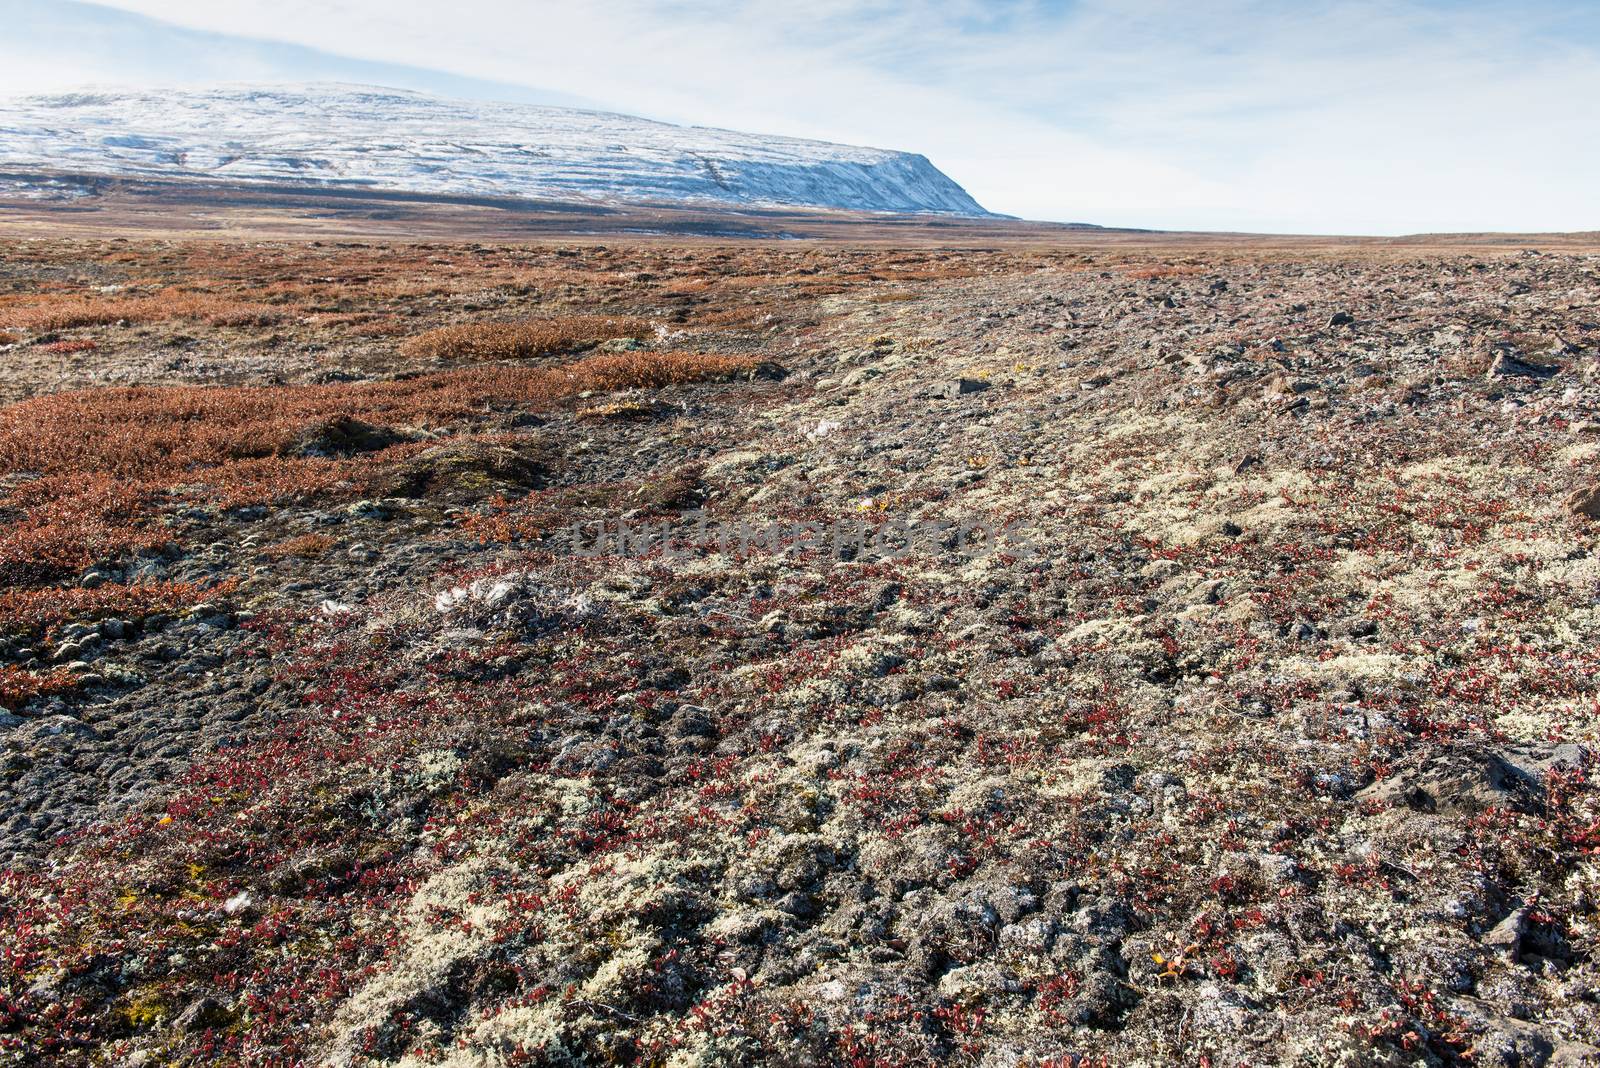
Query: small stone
[1281, 388]
[59, 724]
[1341, 318]
[1277, 869]
[201, 1015]
[1584, 502]
[1509, 365]
[1568, 754]
[956, 387]
[367, 510]
[1035, 935]
[1506, 935]
[67, 651]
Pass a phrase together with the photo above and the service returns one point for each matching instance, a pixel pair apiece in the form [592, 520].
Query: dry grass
[744, 317]
[617, 410]
[648, 370]
[385, 327]
[518, 341]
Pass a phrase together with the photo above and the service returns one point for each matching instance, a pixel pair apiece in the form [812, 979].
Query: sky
[1287, 116]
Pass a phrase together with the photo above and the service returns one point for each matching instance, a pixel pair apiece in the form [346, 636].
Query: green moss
[143, 1012]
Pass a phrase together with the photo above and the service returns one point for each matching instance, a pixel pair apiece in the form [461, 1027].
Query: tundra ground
[1053, 656]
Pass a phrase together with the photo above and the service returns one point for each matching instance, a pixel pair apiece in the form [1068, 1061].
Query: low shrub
[650, 370]
[170, 433]
[65, 524]
[305, 546]
[69, 311]
[37, 613]
[518, 341]
[18, 687]
[380, 328]
[104, 459]
[67, 348]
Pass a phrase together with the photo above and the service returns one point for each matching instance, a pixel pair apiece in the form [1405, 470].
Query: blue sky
[1312, 117]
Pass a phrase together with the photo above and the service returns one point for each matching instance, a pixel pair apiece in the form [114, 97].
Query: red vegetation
[67, 348]
[17, 686]
[33, 613]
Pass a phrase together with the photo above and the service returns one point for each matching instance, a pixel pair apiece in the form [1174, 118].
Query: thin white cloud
[1232, 114]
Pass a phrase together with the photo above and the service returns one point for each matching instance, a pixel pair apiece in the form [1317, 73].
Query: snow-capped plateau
[402, 141]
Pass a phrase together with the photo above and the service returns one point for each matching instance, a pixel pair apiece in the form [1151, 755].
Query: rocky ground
[1024, 657]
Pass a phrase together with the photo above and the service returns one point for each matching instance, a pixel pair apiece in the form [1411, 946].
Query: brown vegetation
[75, 310]
[60, 525]
[520, 341]
[99, 460]
[17, 687]
[142, 432]
[71, 346]
[37, 613]
[304, 547]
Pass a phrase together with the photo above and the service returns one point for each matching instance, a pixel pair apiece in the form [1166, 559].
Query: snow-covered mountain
[395, 140]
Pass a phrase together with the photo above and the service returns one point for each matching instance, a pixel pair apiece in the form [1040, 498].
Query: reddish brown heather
[150, 433]
[103, 457]
[17, 686]
[74, 310]
[305, 546]
[67, 348]
[62, 524]
[34, 613]
[516, 341]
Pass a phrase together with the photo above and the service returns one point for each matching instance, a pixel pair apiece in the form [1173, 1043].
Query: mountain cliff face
[389, 139]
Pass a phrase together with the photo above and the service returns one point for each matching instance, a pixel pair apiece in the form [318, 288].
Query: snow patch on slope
[395, 140]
